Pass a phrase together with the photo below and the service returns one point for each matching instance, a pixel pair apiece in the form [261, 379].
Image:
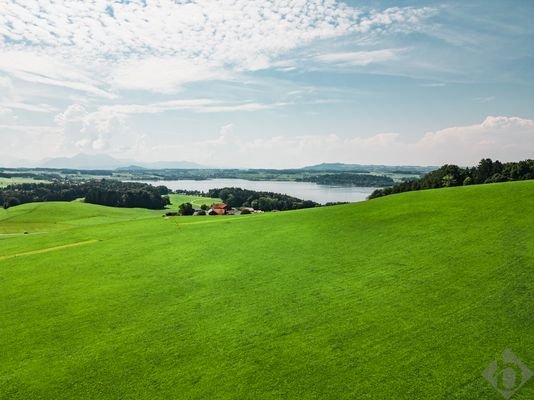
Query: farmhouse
[218, 209]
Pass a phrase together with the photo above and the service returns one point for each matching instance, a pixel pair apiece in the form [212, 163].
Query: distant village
[215, 209]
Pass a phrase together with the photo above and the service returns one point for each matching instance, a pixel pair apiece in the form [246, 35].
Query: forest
[265, 201]
[349, 179]
[111, 193]
[487, 171]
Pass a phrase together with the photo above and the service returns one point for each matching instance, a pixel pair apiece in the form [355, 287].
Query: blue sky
[245, 83]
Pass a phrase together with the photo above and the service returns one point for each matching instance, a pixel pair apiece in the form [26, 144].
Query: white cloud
[35, 67]
[6, 88]
[245, 107]
[433, 85]
[109, 129]
[7, 117]
[503, 138]
[158, 107]
[41, 108]
[10, 99]
[160, 45]
[103, 130]
[359, 58]
[399, 19]
[28, 142]
[194, 105]
[165, 75]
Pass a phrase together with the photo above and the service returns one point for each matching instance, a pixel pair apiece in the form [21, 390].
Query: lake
[302, 190]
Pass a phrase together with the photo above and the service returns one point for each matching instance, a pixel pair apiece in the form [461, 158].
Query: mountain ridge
[106, 162]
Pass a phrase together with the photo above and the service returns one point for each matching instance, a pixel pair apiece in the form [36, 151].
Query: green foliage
[265, 201]
[349, 179]
[13, 181]
[487, 171]
[186, 209]
[404, 297]
[111, 193]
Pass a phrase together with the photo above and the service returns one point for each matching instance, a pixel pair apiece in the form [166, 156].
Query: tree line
[487, 171]
[111, 193]
[265, 201]
[349, 179]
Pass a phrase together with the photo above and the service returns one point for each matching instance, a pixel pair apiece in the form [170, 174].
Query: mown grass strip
[65, 246]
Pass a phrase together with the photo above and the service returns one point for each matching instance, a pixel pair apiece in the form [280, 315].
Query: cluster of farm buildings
[219, 209]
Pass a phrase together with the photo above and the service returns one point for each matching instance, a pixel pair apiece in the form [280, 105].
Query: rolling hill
[409, 296]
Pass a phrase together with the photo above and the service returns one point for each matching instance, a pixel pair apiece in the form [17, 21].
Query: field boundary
[48, 249]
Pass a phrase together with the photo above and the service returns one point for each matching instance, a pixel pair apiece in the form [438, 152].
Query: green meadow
[14, 181]
[196, 201]
[408, 296]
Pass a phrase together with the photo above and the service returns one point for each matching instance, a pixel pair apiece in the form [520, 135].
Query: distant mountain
[85, 161]
[103, 161]
[172, 165]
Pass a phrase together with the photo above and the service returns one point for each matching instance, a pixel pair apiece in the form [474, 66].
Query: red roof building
[219, 209]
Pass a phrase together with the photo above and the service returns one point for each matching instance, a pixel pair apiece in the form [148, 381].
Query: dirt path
[65, 246]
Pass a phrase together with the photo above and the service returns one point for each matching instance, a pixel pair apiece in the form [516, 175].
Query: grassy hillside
[196, 201]
[405, 297]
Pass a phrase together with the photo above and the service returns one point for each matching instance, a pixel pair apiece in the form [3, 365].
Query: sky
[268, 83]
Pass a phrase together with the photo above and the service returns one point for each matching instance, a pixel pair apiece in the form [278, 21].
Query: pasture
[196, 201]
[409, 296]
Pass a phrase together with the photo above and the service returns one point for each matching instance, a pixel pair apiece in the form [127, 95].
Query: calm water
[302, 190]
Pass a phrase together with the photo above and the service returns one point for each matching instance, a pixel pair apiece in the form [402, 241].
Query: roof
[219, 206]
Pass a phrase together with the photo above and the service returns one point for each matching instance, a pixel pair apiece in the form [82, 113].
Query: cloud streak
[359, 58]
[161, 45]
[194, 105]
[31, 65]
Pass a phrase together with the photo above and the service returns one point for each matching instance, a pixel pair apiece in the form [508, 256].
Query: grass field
[196, 201]
[13, 181]
[408, 296]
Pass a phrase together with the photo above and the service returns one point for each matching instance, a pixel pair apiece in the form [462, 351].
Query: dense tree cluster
[349, 179]
[50, 173]
[104, 192]
[199, 193]
[30, 175]
[328, 174]
[487, 171]
[265, 201]
[186, 209]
